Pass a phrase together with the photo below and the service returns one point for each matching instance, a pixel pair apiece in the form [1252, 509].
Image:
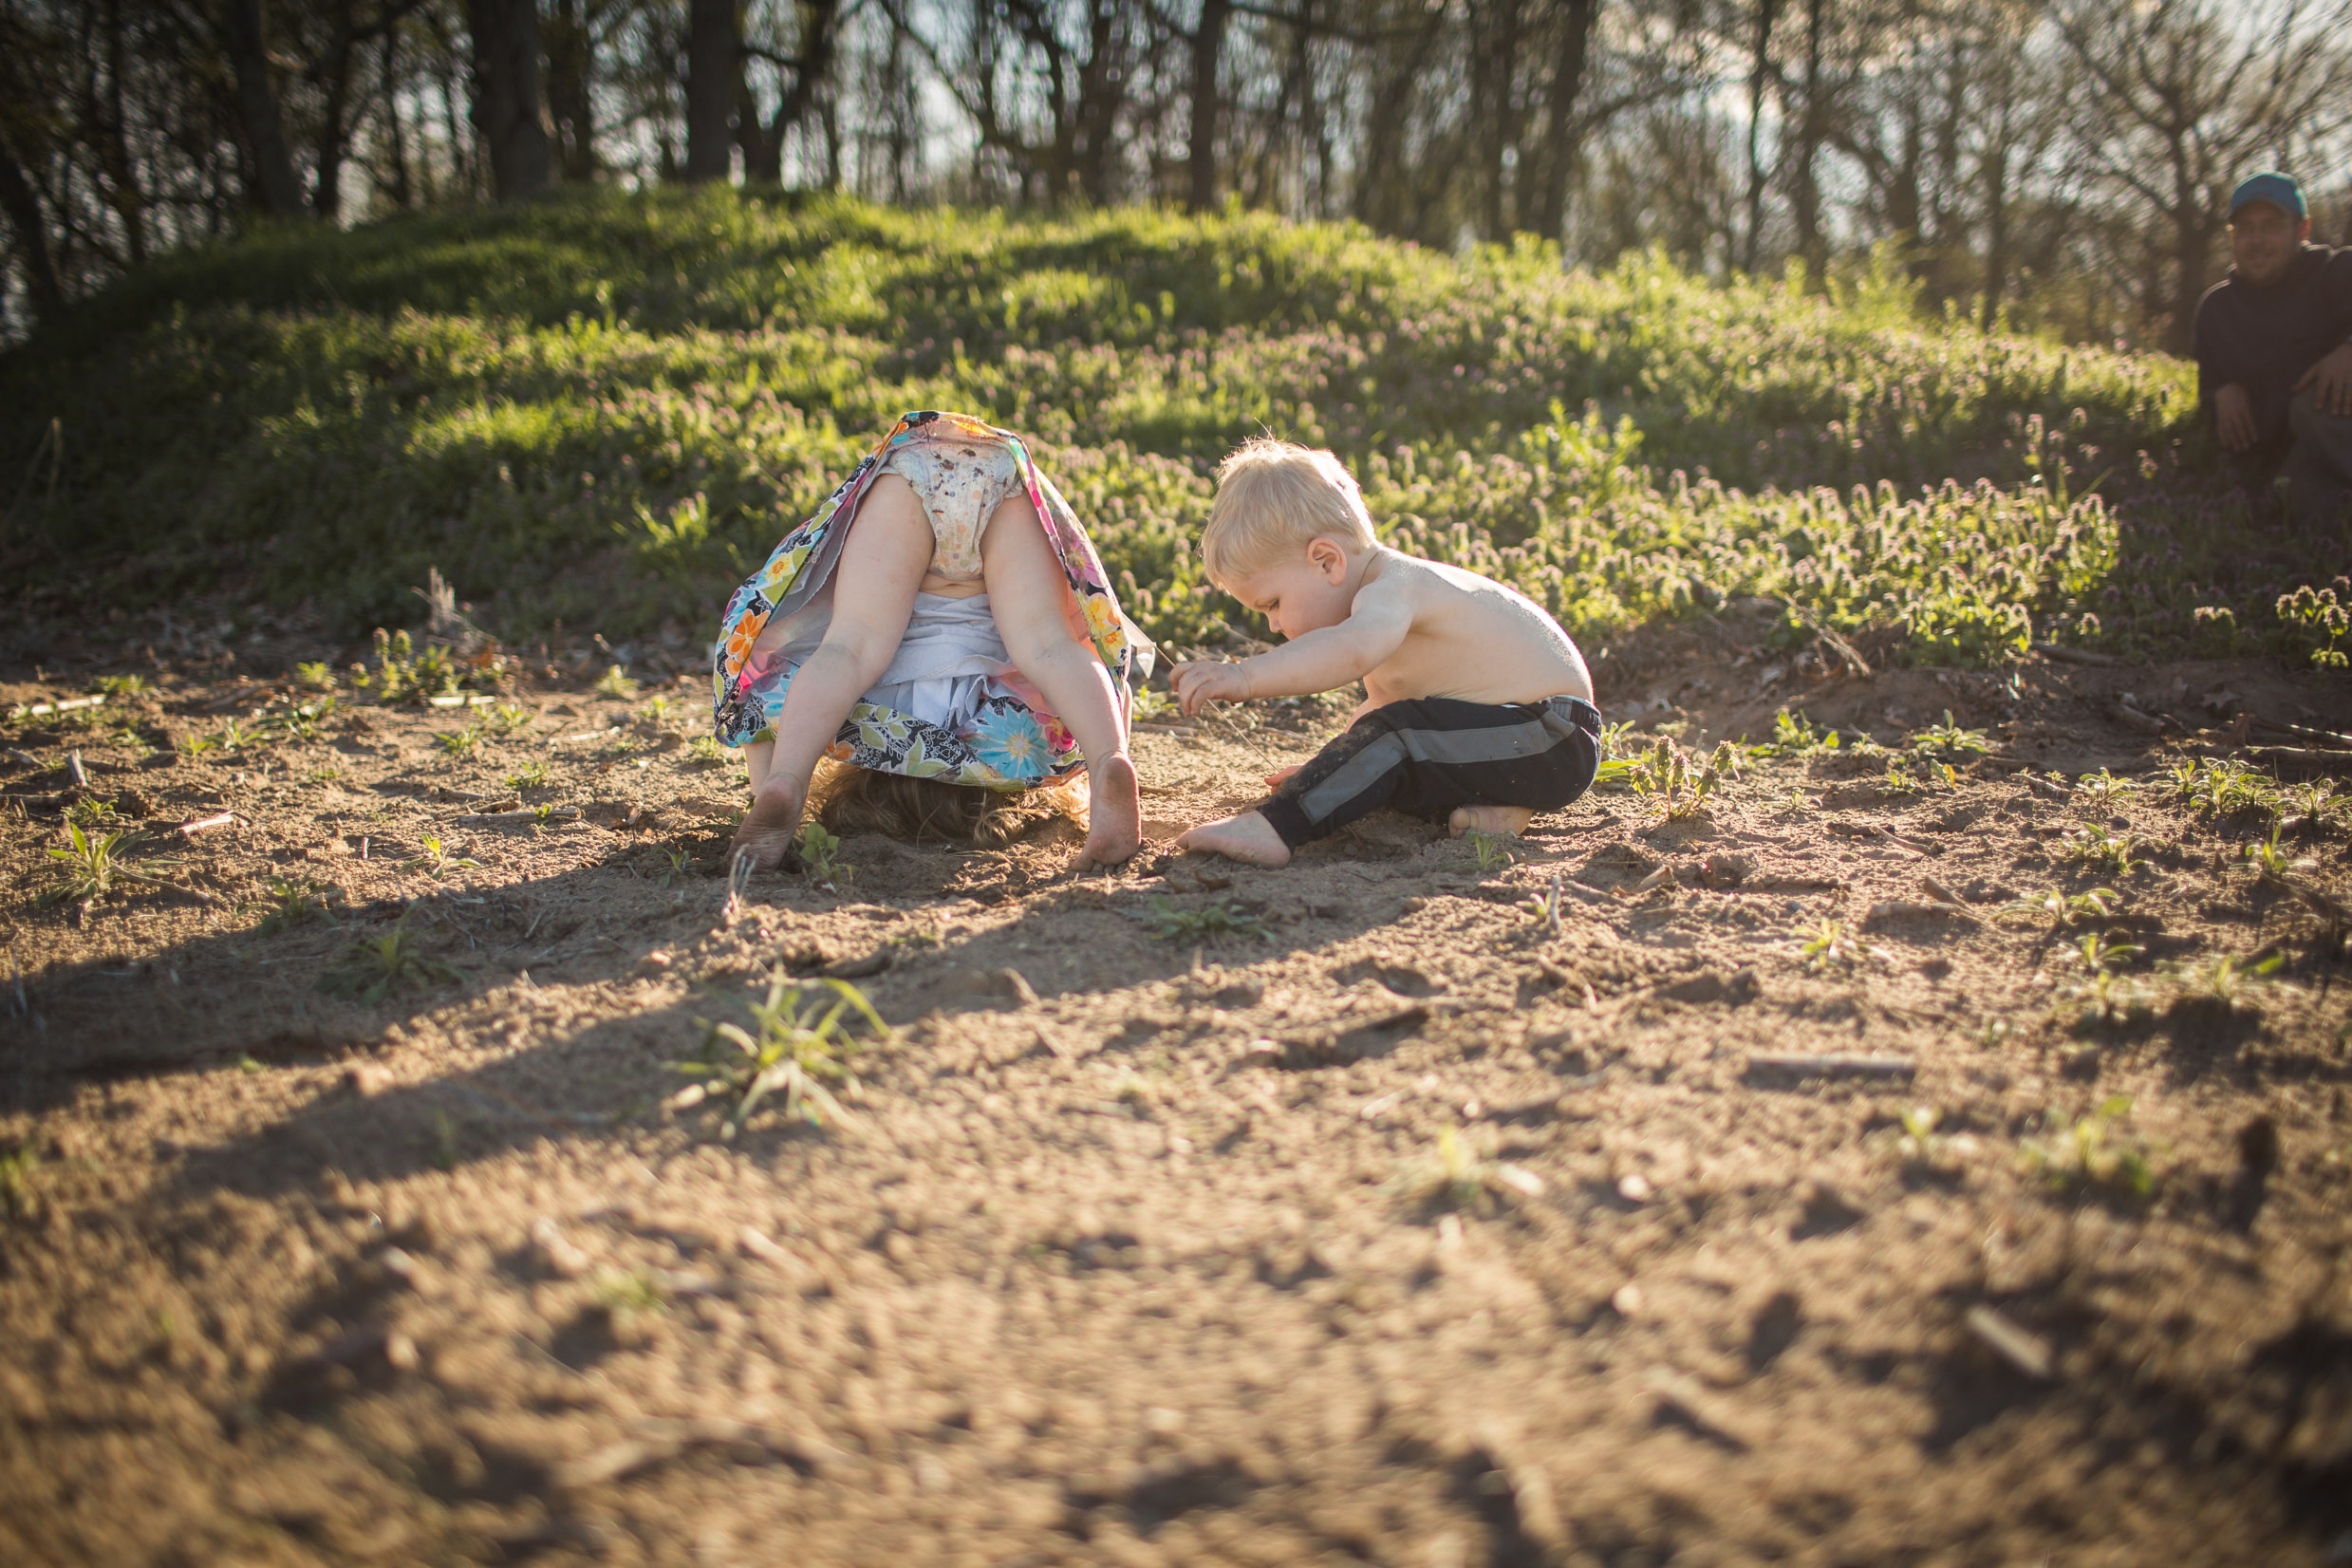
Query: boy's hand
[1197, 685]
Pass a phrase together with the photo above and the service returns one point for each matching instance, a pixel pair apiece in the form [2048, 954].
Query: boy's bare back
[1468, 637]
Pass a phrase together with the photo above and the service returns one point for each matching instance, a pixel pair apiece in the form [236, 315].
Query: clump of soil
[1867, 1165]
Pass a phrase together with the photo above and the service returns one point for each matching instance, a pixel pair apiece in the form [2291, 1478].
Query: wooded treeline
[2062, 161]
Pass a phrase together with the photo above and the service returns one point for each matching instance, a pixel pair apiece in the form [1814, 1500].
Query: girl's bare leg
[882, 562]
[1030, 598]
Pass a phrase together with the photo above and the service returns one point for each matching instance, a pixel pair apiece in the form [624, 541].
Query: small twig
[2026, 1351]
[74, 769]
[2079, 656]
[1834, 1065]
[2301, 757]
[205, 824]
[1905, 909]
[2303, 731]
[67, 705]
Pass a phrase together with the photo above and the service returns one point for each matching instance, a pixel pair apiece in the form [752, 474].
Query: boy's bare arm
[1375, 628]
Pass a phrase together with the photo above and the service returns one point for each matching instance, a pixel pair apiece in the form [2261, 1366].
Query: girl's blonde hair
[851, 800]
[1273, 498]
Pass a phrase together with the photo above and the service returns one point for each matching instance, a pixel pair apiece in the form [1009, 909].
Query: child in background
[944, 627]
[1478, 711]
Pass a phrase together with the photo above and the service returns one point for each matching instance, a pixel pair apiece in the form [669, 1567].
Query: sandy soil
[1424, 1216]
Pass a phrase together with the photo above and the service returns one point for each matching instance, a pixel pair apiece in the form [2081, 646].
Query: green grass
[1218, 918]
[602, 408]
[799, 1043]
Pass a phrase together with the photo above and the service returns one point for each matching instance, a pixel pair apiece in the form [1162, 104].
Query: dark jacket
[2265, 338]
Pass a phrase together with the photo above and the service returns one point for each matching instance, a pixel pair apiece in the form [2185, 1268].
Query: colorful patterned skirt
[950, 706]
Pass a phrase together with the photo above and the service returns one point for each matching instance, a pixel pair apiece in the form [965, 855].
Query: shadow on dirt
[572, 985]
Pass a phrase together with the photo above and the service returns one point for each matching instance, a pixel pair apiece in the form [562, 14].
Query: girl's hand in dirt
[1276, 780]
[1196, 685]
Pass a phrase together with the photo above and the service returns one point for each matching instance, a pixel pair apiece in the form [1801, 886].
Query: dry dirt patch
[1784, 1180]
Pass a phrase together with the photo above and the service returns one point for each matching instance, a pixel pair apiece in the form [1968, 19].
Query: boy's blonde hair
[1274, 497]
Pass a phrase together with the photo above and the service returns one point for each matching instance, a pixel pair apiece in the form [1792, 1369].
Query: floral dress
[1007, 739]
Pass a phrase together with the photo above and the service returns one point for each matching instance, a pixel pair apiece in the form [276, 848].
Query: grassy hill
[604, 408]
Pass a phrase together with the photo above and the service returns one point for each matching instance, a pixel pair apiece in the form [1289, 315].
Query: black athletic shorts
[1428, 756]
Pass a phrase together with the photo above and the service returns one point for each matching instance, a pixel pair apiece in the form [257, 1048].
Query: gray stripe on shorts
[1497, 744]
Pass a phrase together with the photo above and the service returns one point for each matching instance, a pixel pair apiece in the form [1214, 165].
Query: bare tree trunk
[1577, 20]
[1804, 170]
[122, 192]
[714, 55]
[272, 169]
[1760, 65]
[569, 100]
[395, 135]
[23, 205]
[1208, 48]
[1102, 91]
[335, 77]
[1494, 70]
[506, 94]
[1996, 179]
[763, 148]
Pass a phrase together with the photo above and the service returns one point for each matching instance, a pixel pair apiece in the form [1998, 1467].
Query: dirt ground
[1424, 1204]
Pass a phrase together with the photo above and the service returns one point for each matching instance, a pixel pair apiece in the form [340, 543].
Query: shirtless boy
[1478, 711]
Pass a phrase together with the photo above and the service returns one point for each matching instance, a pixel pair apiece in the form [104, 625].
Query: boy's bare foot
[1248, 838]
[769, 827]
[1114, 814]
[1490, 819]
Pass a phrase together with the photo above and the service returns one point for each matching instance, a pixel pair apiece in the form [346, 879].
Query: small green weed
[458, 743]
[616, 683]
[193, 745]
[508, 718]
[291, 904]
[1210, 921]
[706, 752]
[315, 675]
[375, 969]
[820, 855]
[2265, 855]
[1832, 943]
[1150, 703]
[1946, 739]
[2318, 617]
[435, 861]
[531, 775]
[120, 685]
[446, 1149]
[304, 721]
[680, 861]
[2221, 789]
[2086, 1155]
[2102, 789]
[231, 737]
[1919, 1122]
[2225, 979]
[797, 1044]
[1491, 850]
[19, 1167]
[2062, 908]
[1794, 735]
[629, 1292]
[2116, 855]
[403, 675]
[1612, 738]
[92, 814]
[92, 863]
[370, 971]
[1455, 1177]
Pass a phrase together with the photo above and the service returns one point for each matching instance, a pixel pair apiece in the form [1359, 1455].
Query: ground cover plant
[1900, 1114]
[594, 407]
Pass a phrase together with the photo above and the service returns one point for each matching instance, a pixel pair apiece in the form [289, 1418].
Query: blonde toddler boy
[1478, 710]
